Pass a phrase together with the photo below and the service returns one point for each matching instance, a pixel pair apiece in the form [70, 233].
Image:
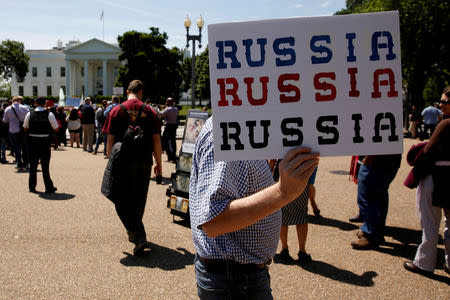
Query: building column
[68, 92]
[105, 78]
[86, 78]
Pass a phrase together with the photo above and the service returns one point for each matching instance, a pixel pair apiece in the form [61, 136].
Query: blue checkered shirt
[212, 186]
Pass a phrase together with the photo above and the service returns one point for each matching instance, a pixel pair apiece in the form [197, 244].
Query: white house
[88, 68]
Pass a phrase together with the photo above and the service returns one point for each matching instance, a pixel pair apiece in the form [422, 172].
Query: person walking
[130, 201]
[40, 124]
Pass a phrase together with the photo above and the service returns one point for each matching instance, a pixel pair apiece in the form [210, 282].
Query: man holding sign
[280, 88]
[236, 218]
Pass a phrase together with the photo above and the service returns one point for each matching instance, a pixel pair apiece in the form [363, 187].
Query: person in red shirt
[130, 201]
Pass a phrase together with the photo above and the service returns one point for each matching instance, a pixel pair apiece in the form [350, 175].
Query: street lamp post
[193, 38]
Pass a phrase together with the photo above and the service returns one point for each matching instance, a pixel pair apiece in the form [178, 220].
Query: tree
[424, 28]
[148, 60]
[13, 60]
[186, 73]
[202, 88]
[5, 89]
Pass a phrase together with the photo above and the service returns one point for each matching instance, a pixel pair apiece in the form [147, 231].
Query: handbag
[111, 183]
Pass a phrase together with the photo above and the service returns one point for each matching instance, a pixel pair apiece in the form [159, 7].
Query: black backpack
[134, 143]
[134, 140]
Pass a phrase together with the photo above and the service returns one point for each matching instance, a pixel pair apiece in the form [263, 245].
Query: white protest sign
[330, 83]
[118, 90]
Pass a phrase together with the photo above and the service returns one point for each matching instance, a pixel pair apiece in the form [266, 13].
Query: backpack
[135, 141]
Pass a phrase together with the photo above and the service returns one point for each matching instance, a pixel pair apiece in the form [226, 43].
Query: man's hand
[295, 169]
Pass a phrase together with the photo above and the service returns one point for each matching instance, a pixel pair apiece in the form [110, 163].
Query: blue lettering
[229, 54]
[321, 49]
[285, 51]
[389, 45]
[351, 48]
[262, 43]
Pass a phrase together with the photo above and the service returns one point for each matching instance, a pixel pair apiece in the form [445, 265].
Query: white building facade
[88, 68]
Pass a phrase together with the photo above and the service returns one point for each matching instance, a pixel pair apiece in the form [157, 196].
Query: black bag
[111, 182]
[133, 141]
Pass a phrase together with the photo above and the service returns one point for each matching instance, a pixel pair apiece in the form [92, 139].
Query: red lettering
[288, 88]
[325, 86]
[222, 82]
[353, 92]
[264, 80]
[377, 82]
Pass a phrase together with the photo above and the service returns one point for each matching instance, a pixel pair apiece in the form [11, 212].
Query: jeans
[373, 199]
[232, 284]
[101, 137]
[40, 151]
[20, 149]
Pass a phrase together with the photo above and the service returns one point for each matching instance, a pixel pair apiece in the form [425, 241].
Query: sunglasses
[444, 102]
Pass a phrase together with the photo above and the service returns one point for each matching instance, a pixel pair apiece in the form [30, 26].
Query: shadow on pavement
[339, 172]
[404, 235]
[56, 196]
[160, 257]
[164, 180]
[326, 270]
[345, 226]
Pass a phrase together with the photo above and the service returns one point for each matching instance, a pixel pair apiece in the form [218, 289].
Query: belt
[213, 265]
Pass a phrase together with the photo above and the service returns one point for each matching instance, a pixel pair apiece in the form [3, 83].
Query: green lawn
[183, 112]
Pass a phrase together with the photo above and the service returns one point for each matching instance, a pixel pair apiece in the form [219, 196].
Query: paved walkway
[71, 245]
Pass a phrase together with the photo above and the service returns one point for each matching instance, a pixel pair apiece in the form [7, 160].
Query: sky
[39, 24]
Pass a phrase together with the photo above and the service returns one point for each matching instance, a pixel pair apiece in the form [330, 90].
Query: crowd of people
[239, 210]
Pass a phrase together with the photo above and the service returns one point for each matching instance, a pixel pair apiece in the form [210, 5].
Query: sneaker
[304, 258]
[94, 153]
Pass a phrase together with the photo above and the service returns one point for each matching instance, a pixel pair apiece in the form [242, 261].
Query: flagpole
[103, 21]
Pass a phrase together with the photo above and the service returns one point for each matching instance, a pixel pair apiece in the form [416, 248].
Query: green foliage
[424, 29]
[186, 73]
[5, 90]
[202, 88]
[13, 59]
[148, 60]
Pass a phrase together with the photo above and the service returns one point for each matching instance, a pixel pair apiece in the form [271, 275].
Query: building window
[82, 89]
[20, 90]
[49, 90]
[64, 89]
[49, 71]
[34, 71]
[35, 90]
[100, 72]
[63, 71]
[82, 71]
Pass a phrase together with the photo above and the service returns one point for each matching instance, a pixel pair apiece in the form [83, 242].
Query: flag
[101, 16]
